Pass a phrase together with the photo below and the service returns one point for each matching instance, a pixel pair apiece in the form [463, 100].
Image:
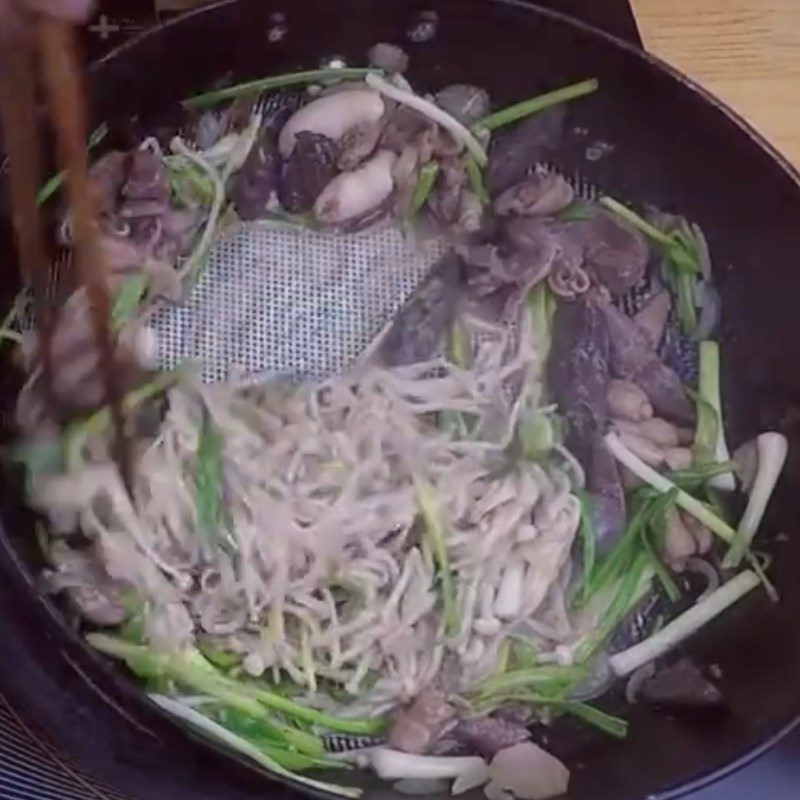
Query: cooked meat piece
[615, 253]
[633, 358]
[358, 144]
[681, 685]
[147, 178]
[541, 194]
[420, 327]
[106, 179]
[517, 150]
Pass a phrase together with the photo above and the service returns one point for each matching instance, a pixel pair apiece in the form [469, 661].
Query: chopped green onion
[607, 723]
[77, 434]
[475, 175]
[631, 587]
[430, 110]
[190, 669]
[681, 256]
[662, 484]
[588, 537]
[424, 187]
[657, 528]
[208, 478]
[127, 299]
[194, 265]
[214, 730]
[709, 443]
[249, 88]
[531, 678]
[54, 183]
[684, 625]
[435, 537]
[536, 104]
[576, 211]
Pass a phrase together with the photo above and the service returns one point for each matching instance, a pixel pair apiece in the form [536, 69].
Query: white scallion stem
[772, 450]
[709, 391]
[202, 247]
[685, 625]
[395, 765]
[661, 484]
[433, 112]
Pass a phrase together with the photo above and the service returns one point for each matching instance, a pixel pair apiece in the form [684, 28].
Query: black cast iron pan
[671, 145]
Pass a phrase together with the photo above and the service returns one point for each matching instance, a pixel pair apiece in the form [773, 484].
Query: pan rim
[648, 60]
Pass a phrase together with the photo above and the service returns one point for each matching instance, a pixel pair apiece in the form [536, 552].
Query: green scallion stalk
[249, 88]
[476, 182]
[261, 756]
[189, 668]
[636, 221]
[588, 538]
[534, 105]
[436, 538]
[208, 479]
[536, 677]
[684, 625]
[662, 484]
[54, 183]
[681, 258]
[709, 443]
[77, 434]
[607, 723]
[423, 187]
[127, 299]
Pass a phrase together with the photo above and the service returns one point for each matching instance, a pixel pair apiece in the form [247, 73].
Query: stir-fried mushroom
[331, 116]
[359, 143]
[627, 401]
[351, 195]
[403, 127]
[310, 168]
[633, 358]
[615, 253]
[541, 194]
[419, 329]
[259, 177]
[526, 772]
[516, 151]
[388, 57]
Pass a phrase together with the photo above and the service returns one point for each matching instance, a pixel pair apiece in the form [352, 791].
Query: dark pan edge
[654, 62]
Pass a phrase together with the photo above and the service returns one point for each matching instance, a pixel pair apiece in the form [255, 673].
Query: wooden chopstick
[60, 71]
[18, 118]
[57, 61]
